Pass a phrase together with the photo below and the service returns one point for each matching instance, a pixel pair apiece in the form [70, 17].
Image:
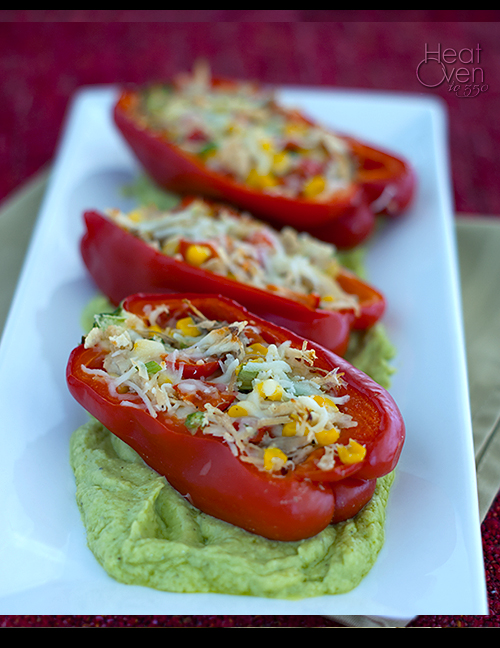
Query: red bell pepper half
[286, 505]
[382, 183]
[121, 264]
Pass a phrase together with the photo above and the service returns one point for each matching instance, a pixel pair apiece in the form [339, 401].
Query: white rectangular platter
[431, 562]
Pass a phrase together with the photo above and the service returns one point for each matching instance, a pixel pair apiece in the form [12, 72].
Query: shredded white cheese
[243, 132]
[258, 396]
[294, 265]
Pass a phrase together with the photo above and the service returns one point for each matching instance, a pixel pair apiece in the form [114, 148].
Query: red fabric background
[45, 55]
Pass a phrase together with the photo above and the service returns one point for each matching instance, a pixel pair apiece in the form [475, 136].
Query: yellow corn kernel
[237, 410]
[266, 144]
[274, 458]
[328, 298]
[327, 437]
[270, 390]
[352, 453]
[314, 186]
[258, 181]
[289, 429]
[324, 401]
[197, 254]
[281, 162]
[163, 378]
[135, 215]
[257, 349]
[188, 327]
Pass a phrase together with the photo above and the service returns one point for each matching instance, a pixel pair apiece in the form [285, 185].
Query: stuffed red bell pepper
[233, 141]
[201, 246]
[253, 424]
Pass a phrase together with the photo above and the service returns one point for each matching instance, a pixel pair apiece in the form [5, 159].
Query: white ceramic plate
[431, 562]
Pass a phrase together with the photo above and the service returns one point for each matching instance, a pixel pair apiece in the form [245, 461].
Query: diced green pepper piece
[195, 421]
[153, 367]
[208, 148]
[103, 320]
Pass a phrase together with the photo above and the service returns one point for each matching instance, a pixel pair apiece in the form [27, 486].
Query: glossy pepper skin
[203, 468]
[121, 264]
[383, 184]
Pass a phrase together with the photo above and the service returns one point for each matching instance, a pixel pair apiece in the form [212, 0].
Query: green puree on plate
[143, 532]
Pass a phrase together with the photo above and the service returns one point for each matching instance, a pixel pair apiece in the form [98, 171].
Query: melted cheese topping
[233, 244]
[243, 132]
[268, 402]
